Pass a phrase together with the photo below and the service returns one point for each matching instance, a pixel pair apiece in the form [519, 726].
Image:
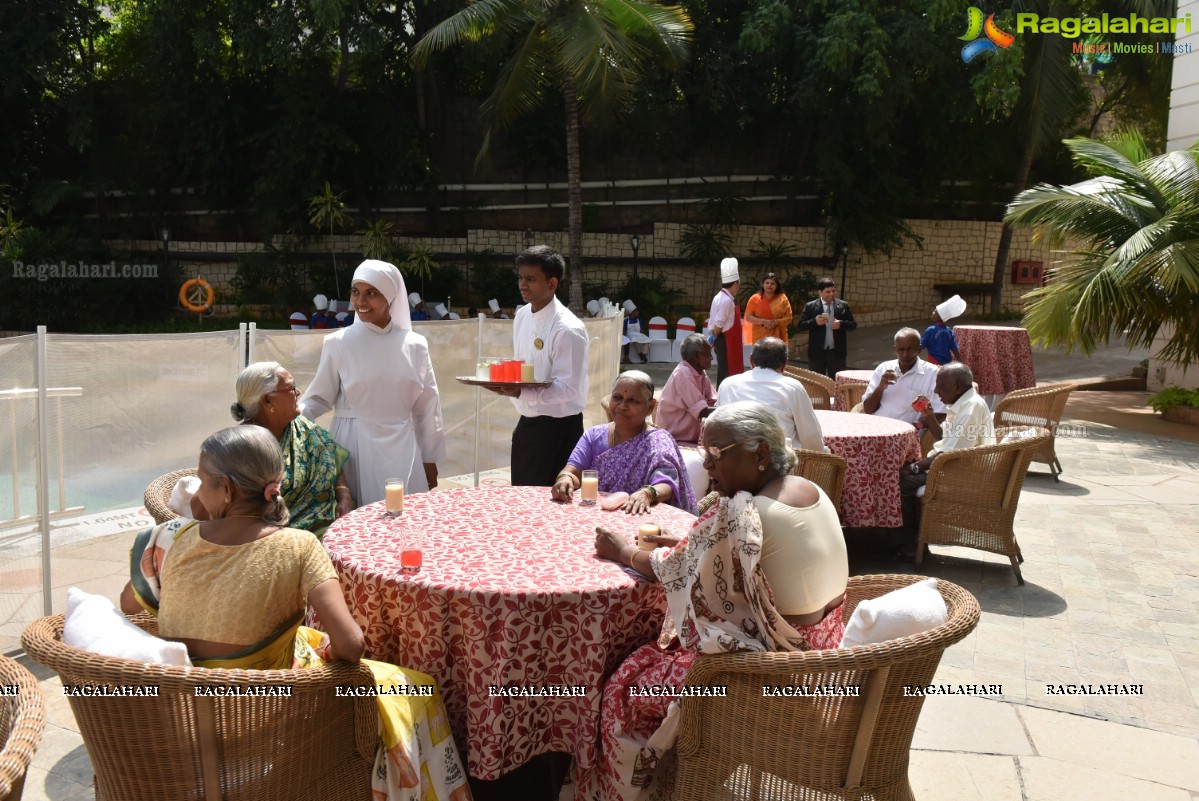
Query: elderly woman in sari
[631, 456]
[768, 312]
[234, 589]
[313, 486]
[764, 570]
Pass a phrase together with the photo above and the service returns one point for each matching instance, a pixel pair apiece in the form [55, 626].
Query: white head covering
[951, 308]
[321, 302]
[494, 304]
[414, 300]
[629, 307]
[440, 311]
[728, 271]
[603, 301]
[387, 279]
[593, 307]
[343, 316]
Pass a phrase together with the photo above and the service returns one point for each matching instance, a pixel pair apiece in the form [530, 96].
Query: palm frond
[667, 27]
[1100, 158]
[523, 81]
[1176, 174]
[1050, 86]
[474, 23]
[1059, 212]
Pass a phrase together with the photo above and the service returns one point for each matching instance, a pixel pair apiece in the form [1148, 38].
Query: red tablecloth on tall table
[875, 447]
[511, 593]
[1000, 357]
[849, 377]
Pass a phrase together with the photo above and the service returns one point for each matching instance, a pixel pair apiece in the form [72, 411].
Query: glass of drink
[647, 530]
[411, 549]
[920, 404]
[393, 491]
[526, 373]
[589, 489]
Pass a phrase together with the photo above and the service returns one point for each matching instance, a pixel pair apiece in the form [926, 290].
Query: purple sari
[651, 457]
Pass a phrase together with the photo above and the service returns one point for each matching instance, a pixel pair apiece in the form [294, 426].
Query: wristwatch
[915, 468]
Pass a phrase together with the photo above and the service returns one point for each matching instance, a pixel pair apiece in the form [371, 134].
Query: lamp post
[165, 233]
[635, 241]
[844, 266]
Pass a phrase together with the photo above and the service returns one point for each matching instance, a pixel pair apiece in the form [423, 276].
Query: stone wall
[882, 289]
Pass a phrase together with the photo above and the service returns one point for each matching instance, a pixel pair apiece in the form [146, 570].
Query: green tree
[327, 210]
[1137, 269]
[592, 54]
[377, 241]
[1037, 83]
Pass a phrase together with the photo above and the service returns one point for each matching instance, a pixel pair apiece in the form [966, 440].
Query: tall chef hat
[728, 271]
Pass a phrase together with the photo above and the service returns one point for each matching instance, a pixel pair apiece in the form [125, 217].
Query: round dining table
[512, 613]
[1000, 357]
[844, 377]
[875, 448]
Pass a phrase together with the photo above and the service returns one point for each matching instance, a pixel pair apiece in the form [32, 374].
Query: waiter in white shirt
[724, 323]
[547, 335]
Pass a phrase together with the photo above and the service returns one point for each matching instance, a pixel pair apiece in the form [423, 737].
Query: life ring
[193, 292]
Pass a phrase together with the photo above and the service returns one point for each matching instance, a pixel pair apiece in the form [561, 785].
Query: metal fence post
[43, 470]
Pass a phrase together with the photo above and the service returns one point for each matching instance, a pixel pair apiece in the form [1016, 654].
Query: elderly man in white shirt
[767, 385]
[897, 383]
[968, 424]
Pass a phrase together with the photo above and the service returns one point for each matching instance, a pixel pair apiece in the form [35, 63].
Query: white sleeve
[875, 380]
[807, 427]
[568, 378]
[426, 411]
[325, 386]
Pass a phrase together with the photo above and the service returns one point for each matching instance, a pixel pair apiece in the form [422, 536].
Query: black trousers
[541, 446]
[826, 362]
[722, 358]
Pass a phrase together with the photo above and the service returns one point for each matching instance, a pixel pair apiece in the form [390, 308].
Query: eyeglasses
[293, 389]
[707, 452]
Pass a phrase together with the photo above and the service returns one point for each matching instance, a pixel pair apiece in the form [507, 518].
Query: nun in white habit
[378, 379]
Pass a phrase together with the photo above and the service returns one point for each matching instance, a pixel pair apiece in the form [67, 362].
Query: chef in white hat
[638, 341]
[593, 308]
[378, 379]
[494, 305]
[321, 317]
[724, 323]
[938, 339]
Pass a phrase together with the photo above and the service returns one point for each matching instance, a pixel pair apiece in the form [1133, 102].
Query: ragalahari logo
[995, 38]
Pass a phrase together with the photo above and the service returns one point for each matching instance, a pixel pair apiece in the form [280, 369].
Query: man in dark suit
[826, 320]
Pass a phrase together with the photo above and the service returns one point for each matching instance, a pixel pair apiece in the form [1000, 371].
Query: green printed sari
[312, 461]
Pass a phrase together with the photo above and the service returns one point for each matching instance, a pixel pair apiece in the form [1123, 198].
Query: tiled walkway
[1112, 597]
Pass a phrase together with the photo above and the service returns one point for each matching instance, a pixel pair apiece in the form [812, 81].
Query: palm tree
[327, 209]
[1137, 270]
[593, 53]
[377, 241]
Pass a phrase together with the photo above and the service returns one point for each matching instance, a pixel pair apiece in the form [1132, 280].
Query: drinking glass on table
[411, 549]
[393, 492]
[589, 488]
[920, 403]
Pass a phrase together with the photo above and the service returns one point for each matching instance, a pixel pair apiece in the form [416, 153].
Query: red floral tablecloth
[849, 377]
[875, 447]
[511, 595]
[1000, 356]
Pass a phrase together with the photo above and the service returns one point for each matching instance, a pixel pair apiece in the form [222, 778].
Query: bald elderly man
[898, 382]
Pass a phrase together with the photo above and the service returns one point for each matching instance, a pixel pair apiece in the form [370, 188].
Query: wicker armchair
[159, 492]
[707, 502]
[1038, 406]
[22, 719]
[188, 748]
[971, 496]
[746, 746]
[821, 388]
[825, 470]
[851, 395]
